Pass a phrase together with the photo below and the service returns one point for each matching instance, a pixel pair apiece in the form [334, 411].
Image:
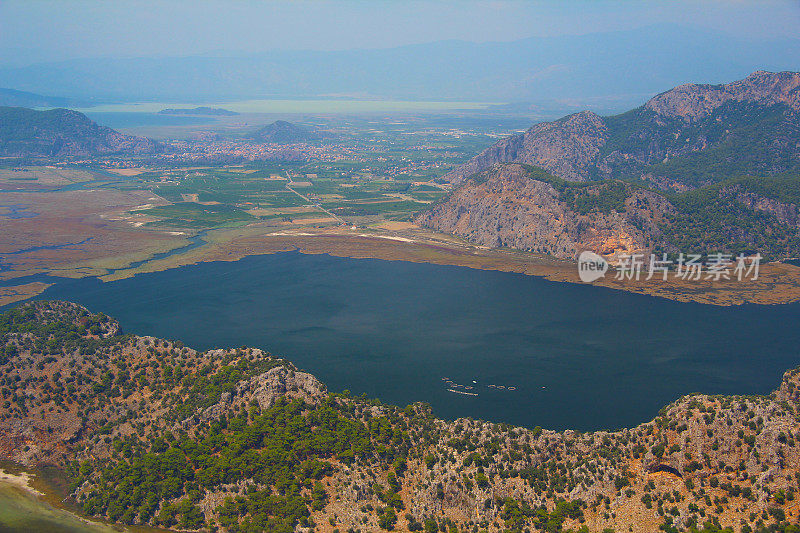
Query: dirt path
[307, 199]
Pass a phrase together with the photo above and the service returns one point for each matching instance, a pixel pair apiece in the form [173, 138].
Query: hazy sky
[41, 30]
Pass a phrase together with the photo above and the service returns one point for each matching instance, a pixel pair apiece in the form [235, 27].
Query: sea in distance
[146, 114]
[534, 352]
[307, 106]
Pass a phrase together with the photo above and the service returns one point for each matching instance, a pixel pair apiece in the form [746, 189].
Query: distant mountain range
[608, 71]
[63, 133]
[282, 132]
[726, 158]
[12, 97]
[688, 136]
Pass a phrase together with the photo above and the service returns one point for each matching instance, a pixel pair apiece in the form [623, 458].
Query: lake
[577, 356]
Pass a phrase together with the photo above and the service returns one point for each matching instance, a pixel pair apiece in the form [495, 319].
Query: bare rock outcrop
[282, 381]
[785, 212]
[278, 382]
[580, 135]
[692, 101]
[510, 209]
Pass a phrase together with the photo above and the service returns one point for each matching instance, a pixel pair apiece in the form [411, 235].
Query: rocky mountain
[282, 132]
[689, 136]
[63, 133]
[675, 175]
[152, 432]
[12, 97]
[508, 206]
[527, 208]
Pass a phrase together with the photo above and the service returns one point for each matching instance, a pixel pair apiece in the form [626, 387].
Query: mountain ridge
[60, 133]
[152, 432]
[641, 142]
[527, 208]
[576, 67]
[283, 132]
[14, 98]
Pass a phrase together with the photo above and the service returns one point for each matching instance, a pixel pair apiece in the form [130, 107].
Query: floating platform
[463, 392]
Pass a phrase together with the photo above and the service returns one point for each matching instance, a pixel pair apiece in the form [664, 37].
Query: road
[307, 199]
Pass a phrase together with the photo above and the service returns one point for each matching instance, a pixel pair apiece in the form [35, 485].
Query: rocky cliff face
[508, 208]
[581, 135]
[753, 124]
[692, 101]
[703, 137]
[785, 212]
[266, 389]
[519, 206]
[63, 133]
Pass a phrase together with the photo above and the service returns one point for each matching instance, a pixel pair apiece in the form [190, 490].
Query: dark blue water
[580, 357]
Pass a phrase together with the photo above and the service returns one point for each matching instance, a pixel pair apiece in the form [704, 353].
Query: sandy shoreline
[21, 480]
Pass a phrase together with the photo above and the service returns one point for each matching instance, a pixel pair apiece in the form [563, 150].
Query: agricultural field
[213, 186]
[224, 196]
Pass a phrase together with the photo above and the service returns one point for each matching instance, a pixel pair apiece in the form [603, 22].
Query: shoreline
[778, 283]
[21, 481]
[46, 506]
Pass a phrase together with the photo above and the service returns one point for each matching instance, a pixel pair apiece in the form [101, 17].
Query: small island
[205, 111]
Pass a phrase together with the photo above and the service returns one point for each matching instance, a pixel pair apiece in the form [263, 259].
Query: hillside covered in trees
[153, 432]
[698, 169]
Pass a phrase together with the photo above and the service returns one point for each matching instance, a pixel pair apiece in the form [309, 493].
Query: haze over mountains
[62, 133]
[734, 147]
[609, 71]
[12, 97]
[688, 136]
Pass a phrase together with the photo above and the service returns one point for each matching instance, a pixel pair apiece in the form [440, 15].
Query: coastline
[778, 283]
[21, 481]
[25, 508]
